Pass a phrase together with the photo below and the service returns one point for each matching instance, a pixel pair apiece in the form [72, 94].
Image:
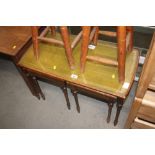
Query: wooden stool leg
[130, 30]
[110, 105]
[35, 41]
[84, 48]
[74, 92]
[67, 45]
[121, 37]
[119, 105]
[64, 89]
[53, 30]
[95, 39]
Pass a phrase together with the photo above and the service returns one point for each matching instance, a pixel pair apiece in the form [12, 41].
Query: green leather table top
[52, 61]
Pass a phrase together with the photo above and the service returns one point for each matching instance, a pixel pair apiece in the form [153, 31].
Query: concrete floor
[19, 109]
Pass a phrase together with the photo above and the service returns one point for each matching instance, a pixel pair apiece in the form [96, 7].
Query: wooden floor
[53, 62]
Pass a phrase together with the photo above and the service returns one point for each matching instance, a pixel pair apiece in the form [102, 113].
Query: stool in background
[65, 42]
[124, 36]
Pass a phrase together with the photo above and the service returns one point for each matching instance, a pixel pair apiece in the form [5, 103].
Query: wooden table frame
[108, 98]
[32, 76]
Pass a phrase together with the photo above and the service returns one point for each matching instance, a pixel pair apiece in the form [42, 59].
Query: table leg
[119, 105]
[29, 82]
[38, 88]
[74, 92]
[110, 106]
[64, 89]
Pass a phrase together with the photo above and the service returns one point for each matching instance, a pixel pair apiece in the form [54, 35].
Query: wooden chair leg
[130, 30]
[110, 105]
[53, 30]
[67, 45]
[35, 41]
[74, 92]
[121, 39]
[84, 47]
[95, 39]
[64, 89]
[119, 105]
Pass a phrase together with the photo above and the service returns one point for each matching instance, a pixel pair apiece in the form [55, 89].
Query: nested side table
[98, 81]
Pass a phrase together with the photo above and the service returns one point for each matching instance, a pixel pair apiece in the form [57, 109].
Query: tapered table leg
[121, 39]
[119, 105]
[67, 45]
[29, 81]
[35, 41]
[38, 88]
[74, 92]
[84, 47]
[64, 89]
[110, 105]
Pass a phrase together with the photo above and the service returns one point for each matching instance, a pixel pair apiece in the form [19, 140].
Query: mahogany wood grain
[13, 39]
[110, 105]
[119, 106]
[64, 89]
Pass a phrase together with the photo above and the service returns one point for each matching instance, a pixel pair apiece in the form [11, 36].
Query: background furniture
[14, 41]
[124, 43]
[142, 114]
